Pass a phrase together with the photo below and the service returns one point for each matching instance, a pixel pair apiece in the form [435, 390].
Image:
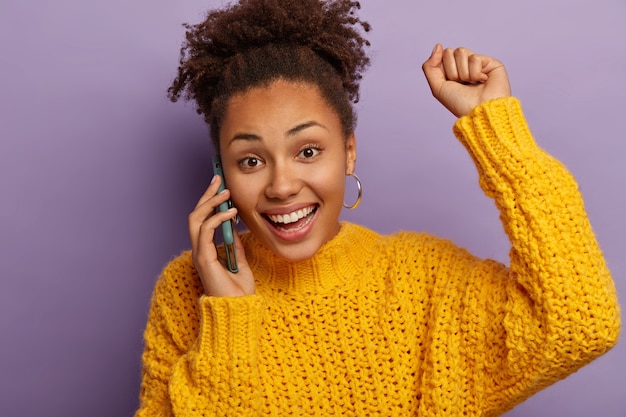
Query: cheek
[329, 182]
[241, 193]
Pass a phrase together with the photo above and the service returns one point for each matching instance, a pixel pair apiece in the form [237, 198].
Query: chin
[295, 253]
[295, 246]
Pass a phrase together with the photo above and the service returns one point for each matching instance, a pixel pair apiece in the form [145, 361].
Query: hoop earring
[359, 186]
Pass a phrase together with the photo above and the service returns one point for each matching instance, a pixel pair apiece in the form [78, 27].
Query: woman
[330, 318]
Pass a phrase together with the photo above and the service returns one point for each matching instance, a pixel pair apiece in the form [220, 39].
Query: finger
[211, 190]
[207, 228]
[433, 71]
[461, 60]
[215, 277]
[205, 252]
[449, 65]
[246, 284]
[207, 206]
[476, 69]
[241, 252]
[203, 211]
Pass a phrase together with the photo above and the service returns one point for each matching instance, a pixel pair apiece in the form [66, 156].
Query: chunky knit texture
[399, 325]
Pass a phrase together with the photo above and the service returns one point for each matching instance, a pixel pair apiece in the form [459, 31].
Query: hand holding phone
[227, 226]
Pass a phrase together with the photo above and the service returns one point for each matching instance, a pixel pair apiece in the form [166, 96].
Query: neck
[336, 264]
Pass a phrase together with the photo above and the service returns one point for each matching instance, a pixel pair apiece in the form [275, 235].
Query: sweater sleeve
[553, 310]
[200, 355]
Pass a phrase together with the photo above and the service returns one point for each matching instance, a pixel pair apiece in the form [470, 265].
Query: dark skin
[458, 78]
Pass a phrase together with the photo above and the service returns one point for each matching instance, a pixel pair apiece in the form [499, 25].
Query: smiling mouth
[292, 222]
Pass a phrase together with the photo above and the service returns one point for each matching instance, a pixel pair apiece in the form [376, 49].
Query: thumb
[433, 70]
[241, 254]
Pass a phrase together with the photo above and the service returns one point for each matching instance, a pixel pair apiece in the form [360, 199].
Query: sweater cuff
[230, 328]
[496, 127]
[498, 139]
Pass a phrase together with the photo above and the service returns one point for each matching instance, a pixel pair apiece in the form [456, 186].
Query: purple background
[98, 171]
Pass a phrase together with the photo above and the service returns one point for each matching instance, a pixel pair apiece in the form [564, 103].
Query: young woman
[330, 318]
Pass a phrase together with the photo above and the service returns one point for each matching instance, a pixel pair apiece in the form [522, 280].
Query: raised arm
[554, 309]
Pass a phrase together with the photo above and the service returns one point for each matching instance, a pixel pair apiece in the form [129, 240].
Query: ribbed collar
[338, 263]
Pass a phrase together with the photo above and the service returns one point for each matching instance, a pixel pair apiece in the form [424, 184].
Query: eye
[250, 162]
[309, 152]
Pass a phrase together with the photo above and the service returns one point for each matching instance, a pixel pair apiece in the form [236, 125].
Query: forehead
[276, 92]
[280, 102]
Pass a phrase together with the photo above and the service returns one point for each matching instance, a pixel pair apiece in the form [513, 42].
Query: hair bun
[331, 29]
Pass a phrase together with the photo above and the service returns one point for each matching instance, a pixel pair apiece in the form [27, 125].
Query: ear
[350, 154]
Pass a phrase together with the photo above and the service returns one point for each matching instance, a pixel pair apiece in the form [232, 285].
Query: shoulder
[410, 250]
[179, 284]
[398, 242]
[399, 238]
[415, 243]
[175, 302]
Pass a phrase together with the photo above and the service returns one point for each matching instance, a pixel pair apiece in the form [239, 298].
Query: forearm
[219, 375]
[561, 305]
[201, 354]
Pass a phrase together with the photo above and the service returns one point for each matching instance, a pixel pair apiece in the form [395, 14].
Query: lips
[292, 221]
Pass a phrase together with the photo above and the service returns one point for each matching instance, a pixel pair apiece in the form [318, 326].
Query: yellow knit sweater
[400, 325]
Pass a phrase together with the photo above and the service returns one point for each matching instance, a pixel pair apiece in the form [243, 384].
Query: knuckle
[196, 216]
[207, 225]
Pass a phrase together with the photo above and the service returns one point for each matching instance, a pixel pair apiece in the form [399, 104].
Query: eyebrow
[303, 126]
[291, 132]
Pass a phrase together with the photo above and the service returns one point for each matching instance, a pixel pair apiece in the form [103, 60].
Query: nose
[284, 182]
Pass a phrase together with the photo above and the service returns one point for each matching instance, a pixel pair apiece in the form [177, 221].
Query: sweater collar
[338, 263]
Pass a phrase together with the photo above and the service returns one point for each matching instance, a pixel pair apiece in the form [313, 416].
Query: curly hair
[255, 42]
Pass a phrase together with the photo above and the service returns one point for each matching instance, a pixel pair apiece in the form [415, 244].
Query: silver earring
[358, 199]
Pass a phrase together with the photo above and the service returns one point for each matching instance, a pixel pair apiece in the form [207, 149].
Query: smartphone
[227, 226]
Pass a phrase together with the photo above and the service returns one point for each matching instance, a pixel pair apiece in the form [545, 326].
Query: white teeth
[291, 217]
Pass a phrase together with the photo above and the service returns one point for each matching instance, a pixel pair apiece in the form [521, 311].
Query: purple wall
[98, 171]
